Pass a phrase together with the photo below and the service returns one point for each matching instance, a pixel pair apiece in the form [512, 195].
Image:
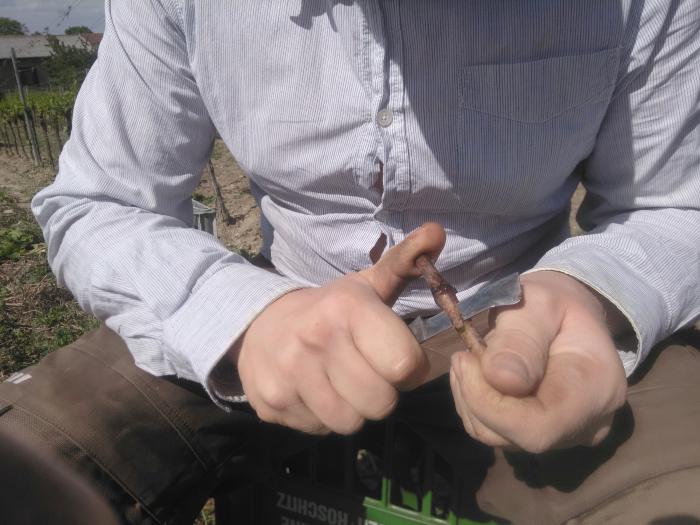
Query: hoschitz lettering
[312, 509]
[287, 521]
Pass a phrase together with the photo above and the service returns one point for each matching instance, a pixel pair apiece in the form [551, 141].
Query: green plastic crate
[324, 485]
[203, 218]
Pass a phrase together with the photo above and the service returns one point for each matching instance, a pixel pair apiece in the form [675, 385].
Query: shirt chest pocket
[525, 126]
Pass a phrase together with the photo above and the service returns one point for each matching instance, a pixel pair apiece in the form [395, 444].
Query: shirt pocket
[538, 91]
[523, 128]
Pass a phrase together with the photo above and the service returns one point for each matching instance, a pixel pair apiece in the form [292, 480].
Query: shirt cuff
[601, 270]
[214, 316]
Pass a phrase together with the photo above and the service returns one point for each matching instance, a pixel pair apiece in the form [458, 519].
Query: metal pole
[32, 137]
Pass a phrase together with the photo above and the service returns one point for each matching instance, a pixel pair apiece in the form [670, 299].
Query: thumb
[397, 267]
[517, 349]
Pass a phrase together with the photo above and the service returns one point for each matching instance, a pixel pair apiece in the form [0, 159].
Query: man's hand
[550, 377]
[326, 359]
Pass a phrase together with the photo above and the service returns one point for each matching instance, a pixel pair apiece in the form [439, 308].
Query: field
[35, 315]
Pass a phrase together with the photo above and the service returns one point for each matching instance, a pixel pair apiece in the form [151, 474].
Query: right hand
[329, 358]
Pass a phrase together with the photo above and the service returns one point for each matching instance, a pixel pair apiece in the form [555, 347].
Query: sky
[39, 14]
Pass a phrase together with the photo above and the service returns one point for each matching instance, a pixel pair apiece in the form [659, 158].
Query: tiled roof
[36, 46]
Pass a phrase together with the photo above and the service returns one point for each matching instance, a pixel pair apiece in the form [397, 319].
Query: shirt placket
[388, 93]
[390, 118]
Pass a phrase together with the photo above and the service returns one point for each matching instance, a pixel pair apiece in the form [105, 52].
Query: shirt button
[385, 118]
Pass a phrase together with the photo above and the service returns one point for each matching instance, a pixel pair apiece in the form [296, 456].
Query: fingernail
[511, 363]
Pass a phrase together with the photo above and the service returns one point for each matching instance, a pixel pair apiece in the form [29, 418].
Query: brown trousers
[156, 448]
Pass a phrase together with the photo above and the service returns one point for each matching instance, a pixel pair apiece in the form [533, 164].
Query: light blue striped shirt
[355, 119]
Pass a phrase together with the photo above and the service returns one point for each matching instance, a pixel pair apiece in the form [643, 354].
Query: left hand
[550, 376]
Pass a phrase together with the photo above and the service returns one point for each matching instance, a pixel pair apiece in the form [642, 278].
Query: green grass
[207, 200]
[15, 241]
[36, 317]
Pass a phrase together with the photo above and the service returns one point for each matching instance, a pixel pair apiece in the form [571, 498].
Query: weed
[14, 242]
[246, 254]
[36, 317]
[207, 200]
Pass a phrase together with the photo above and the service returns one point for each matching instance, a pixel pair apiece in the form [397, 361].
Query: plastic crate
[385, 475]
[204, 217]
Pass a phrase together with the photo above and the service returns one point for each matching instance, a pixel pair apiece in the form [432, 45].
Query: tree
[68, 65]
[9, 26]
[78, 30]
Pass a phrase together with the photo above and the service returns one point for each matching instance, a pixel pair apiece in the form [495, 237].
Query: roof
[93, 39]
[36, 46]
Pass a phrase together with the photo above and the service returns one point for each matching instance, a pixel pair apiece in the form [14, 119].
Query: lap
[157, 447]
[652, 452]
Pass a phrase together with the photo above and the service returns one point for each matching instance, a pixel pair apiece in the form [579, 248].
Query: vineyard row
[49, 113]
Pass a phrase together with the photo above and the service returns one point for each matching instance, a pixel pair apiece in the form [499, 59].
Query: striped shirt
[357, 119]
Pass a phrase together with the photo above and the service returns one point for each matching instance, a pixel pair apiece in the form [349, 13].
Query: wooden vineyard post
[18, 138]
[6, 140]
[11, 133]
[56, 129]
[34, 136]
[11, 140]
[45, 129]
[219, 196]
[30, 135]
[69, 121]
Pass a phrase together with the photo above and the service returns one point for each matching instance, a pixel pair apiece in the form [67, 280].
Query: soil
[242, 233]
[21, 180]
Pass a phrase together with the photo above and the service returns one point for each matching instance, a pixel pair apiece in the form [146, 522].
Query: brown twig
[446, 298]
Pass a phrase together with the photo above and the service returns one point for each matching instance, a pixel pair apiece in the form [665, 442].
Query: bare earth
[243, 234]
[20, 179]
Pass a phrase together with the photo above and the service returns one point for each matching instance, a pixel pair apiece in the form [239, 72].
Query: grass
[36, 316]
[206, 516]
[207, 200]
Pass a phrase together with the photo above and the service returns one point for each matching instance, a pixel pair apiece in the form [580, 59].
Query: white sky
[38, 14]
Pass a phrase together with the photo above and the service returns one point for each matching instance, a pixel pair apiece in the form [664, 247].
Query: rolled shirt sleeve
[118, 217]
[642, 207]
